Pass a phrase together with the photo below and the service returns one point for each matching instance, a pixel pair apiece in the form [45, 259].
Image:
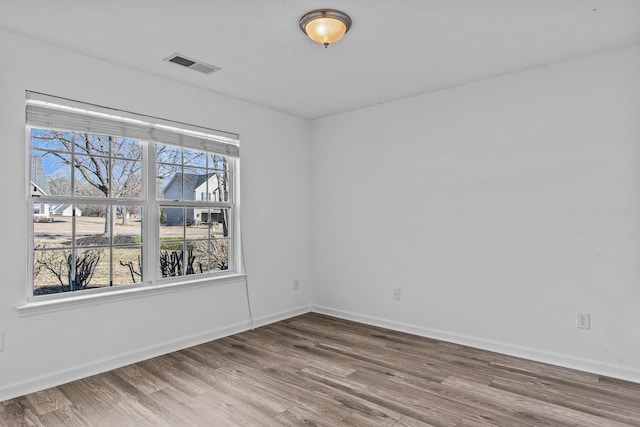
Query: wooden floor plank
[176, 408]
[47, 401]
[422, 393]
[297, 416]
[140, 379]
[324, 371]
[557, 414]
[362, 420]
[317, 388]
[18, 412]
[67, 417]
[577, 398]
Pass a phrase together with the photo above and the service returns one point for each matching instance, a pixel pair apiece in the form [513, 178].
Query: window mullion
[151, 215]
[112, 231]
[72, 266]
[235, 245]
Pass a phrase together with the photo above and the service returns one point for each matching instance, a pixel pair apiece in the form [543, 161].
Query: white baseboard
[283, 315]
[10, 391]
[537, 355]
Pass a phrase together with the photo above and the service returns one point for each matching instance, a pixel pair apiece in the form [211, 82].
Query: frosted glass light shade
[325, 26]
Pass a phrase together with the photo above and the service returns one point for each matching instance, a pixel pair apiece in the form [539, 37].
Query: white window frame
[49, 112]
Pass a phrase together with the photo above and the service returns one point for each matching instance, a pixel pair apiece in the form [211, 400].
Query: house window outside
[115, 199]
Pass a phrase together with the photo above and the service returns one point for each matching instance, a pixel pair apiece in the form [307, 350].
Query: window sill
[35, 307]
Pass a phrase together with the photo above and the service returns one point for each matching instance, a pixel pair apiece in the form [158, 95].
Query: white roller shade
[58, 113]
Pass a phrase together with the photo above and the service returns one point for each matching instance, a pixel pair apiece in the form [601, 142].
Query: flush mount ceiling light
[325, 26]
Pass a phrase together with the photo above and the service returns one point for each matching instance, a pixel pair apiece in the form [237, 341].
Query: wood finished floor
[319, 370]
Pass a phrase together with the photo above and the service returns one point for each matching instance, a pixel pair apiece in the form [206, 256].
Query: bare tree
[136, 271]
[105, 165]
[60, 183]
[223, 189]
[63, 266]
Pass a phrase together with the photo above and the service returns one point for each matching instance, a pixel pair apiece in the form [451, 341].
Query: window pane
[219, 220]
[171, 221]
[127, 265]
[90, 144]
[219, 186]
[169, 182]
[195, 158]
[50, 173]
[126, 178]
[218, 162]
[220, 254]
[126, 148]
[50, 272]
[195, 182]
[168, 154]
[91, 176]
[47, 139]
[93, 225]
[171, 261]
[92, 269]
[128, 225]
[51, 231]
[171, 240]
[197, 228]
[197, 261]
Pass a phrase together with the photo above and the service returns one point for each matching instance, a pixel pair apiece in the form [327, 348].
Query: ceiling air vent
[193, 64]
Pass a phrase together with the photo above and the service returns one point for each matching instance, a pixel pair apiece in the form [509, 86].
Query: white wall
[500, 208]
[48, 349]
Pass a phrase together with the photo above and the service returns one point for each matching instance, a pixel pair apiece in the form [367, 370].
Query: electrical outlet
[396, 294]
[583, 320]
[296, 285]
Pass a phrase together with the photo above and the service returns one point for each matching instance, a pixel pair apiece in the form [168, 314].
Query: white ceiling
[395, 49]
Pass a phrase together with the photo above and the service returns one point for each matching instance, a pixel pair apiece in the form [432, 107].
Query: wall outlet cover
[583, 320]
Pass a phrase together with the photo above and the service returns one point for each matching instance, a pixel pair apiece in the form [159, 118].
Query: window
[120, 199]
[194, 236]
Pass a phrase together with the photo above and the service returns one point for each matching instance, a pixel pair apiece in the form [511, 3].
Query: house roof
[59, 209]
[191, 180]
[38, 175]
